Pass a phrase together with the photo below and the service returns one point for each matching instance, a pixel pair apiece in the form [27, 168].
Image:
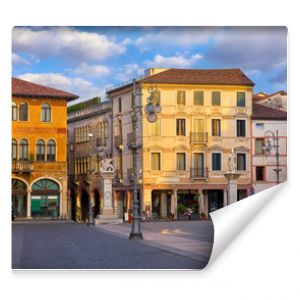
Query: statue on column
[232, 166]
[106, 165]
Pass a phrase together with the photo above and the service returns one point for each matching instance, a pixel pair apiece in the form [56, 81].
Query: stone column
[108, 215]
[225, 200]
[163, 205]
[232, 186]
[200, 201]
[174, 204]
[28, 209]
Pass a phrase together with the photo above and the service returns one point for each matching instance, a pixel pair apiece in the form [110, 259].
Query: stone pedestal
[232, 186]
[108, 215]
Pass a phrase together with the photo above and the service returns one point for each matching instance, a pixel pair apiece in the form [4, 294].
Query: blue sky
[87, 60]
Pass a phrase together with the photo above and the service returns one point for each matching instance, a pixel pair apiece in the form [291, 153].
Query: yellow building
[183, 155]
[39, 151]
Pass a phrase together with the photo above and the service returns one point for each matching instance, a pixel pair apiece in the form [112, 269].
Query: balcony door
[198, 164]
[198, 131]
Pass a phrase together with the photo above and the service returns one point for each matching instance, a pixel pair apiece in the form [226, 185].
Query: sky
[87, 60]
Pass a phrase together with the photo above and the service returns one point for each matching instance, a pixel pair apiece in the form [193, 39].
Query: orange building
[39, 151]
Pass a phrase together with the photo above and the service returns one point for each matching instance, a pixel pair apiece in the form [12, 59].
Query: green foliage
[85, 104]
[181, 209]
[31, 157]
[195, 208]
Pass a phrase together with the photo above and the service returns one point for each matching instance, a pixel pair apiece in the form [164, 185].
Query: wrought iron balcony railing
[198, 137]
[21, 166]
[199, 173]
[101, 142]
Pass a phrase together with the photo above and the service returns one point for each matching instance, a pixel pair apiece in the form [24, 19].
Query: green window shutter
[198, 98]
[216, 98]
[241, 99]
[216, 161]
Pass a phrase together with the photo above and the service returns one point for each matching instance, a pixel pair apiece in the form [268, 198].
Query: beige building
[89, 141]
[276, 100]
[265, 121]
[183, 155]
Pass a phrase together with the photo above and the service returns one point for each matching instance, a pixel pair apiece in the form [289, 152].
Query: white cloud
[18, 60]
[176, 61]
[129, 71]
[81, 87]
[91, 70]
[182, 36]
[69, 43]
[250, 48]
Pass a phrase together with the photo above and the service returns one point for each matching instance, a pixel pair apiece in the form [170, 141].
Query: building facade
[39, 151]
[265, 122]
[276, 100]
[89, 141]
[183, 155]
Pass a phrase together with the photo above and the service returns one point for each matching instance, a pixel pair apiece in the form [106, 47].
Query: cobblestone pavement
[67, 245]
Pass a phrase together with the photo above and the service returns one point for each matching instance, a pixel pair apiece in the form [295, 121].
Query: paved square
[68, 245]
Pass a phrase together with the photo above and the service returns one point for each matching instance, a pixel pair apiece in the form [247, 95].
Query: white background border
[262, 262]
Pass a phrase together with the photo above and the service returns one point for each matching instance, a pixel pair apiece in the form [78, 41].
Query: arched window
[14, 111]
[51, 150]
[23, 113]
[24, 149]
[46, 112]
[40, 150]
[14, 149]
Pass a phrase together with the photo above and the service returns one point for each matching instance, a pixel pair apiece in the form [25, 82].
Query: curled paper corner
[229, 221]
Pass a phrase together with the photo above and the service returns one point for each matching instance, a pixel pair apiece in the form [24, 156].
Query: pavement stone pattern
[70, 245]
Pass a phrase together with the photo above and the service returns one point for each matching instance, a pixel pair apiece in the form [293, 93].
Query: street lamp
[273, 144]
[90, 171]
[151, 109]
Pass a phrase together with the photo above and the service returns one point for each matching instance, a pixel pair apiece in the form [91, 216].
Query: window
[241, 128]
[23, 149]
[180, 97]
[216, 161]
[180, 127]
[155, 161]
[260, 171]
[23, 112]
[260, 125]
[120, 105]
[180, 158]
[259, 146]
[40, 150]
[216, 98]
[241, 161]
[14, 111]
[51, 150]
[240, 99]
[156, 128]
[216, 127]
[46, 112]
[14, 149]
[198, 98]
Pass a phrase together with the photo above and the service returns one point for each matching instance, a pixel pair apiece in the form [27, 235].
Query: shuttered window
[198, 98]
[216, 98]
[240, 99]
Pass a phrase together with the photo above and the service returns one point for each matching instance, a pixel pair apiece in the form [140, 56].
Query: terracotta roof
[258, 98]
[28, 89]
[194, 76]
[262, 112]
[201, 76]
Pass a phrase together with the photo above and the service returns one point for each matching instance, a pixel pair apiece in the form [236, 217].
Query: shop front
[45, 199]
[19, 198]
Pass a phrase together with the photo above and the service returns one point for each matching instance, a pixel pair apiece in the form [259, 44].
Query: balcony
[130, 174]
[101, 142]
[21, 166]
[118, 176]
[199, 173]
[198, 138]
[118, 141]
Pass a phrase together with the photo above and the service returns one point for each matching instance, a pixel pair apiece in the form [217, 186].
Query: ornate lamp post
[90, 171]
[274, 144]
[151, 109]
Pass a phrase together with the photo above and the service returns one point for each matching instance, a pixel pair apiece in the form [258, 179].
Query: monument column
[107, 174]
[163, 205]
